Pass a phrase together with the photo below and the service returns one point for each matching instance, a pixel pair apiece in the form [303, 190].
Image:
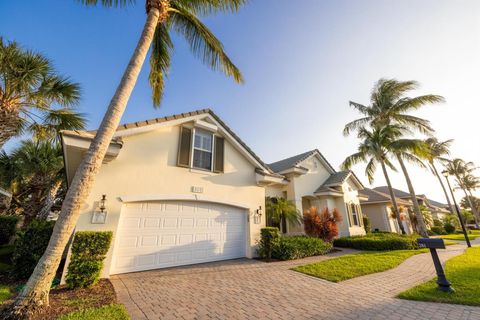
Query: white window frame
[194, 132]
[354, 211]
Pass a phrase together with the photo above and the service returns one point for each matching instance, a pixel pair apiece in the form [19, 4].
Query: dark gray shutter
[184, 147]
[219, 154]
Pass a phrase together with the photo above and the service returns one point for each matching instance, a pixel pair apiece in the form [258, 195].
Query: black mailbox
[431, 243]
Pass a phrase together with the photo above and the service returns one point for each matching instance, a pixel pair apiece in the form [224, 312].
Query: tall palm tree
[280, 212]
[438, 151]
[390, 105]
[410, 150]
[162, 17]
[461, 169]
[375, 148]
[30, 89]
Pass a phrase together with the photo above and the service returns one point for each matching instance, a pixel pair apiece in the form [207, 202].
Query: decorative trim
[179, 197]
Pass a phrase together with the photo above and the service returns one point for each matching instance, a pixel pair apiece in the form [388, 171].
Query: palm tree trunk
[49, 200]
[9, 124]
[443, 187]
[35, 293]
[476, 214]
[422, 228]
[392, 197]
[470, 203]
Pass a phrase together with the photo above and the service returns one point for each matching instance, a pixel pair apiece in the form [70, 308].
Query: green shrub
[7, 228]
[269, 240]
[379, 241]
[367, 225]
[88, 251]
[437, 223]
[30, 244]
[449, 228]
[438, 230]
[297, 247]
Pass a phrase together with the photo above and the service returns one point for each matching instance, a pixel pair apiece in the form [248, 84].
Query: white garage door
[155, 235]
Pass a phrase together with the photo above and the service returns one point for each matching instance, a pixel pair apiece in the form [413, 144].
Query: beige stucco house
[437, 210]
[312, 182]
[185, 189]
[377, 206]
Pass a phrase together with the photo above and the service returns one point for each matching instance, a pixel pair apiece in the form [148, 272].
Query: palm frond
[370, 170]
[205, 7]
[160, 60]
[355, 125]
[203, 42]
[352, 160]
[108, 3]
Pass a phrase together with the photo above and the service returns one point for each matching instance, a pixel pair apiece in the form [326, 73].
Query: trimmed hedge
[30, 244]
[438, 230]
[7, 228]
[269, 240]
[449, 228]
[378, 241]
[297, 247]
[88, 251]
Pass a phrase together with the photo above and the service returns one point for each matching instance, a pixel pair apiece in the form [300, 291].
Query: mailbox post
[433, 244]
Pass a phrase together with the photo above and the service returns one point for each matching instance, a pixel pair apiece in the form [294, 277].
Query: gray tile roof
[91, 133]
[398, 193]
[290, 162]
[337, 178]
[437, 204]
[377, 196]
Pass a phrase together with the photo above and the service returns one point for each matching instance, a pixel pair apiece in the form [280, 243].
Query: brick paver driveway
[249, 289]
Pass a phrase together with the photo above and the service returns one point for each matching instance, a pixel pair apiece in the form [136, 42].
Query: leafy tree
[162, 17]
[31, 91]
[280, 212]
[390, 105]
[466, 203]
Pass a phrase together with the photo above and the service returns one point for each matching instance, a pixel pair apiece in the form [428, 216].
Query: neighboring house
[5, 199]
[377, 206]
[437, 210]
[185, 189]
[310, 181]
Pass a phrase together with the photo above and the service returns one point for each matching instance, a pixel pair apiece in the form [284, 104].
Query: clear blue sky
[302, 60]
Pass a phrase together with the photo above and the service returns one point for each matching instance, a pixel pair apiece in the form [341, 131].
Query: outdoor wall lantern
[258, 215]
[100, 215]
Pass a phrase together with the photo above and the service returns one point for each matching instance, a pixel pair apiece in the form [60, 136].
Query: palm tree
[438, 151]
[461, 169]
[280, 211]
[162, 17]
[38, 169]
[375, 149]
[410, 150]
[30, 89]
[390, 105]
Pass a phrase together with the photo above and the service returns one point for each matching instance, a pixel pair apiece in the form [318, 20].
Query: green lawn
[459, 236]
[110, 312]
[463, 272]
[355, 265]
[5, 293]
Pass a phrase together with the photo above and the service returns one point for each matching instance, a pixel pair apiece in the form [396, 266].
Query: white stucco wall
[146, 166]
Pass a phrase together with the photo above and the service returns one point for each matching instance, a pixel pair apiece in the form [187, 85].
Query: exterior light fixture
[100, 214]
[258, 215]
[103, 202]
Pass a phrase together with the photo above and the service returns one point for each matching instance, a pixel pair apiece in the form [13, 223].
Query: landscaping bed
[356, 265]
[98, 302]
[463, 272]
[379, 241]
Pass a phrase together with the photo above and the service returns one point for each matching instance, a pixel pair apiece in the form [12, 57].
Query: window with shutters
[355, 214]
[202, 150]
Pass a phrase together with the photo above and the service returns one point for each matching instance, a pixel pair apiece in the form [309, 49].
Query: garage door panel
[172, 233]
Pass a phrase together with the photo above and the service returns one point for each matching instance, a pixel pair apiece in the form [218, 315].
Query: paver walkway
[249, 289]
